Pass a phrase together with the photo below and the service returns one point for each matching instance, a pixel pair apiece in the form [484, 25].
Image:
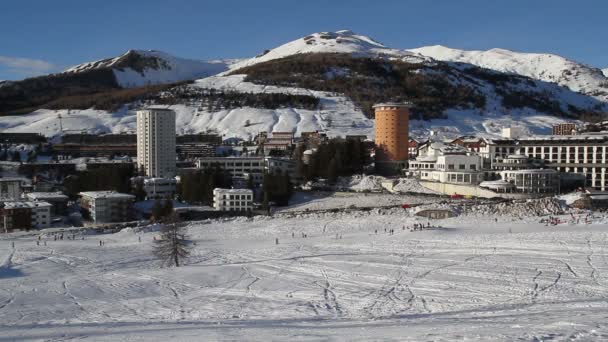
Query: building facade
[12, 188]
[392, 132]
[232, 199]
[160, 188]
[238, 167]
[582, 155]
[25, 215]
[567, 128]
[156, 142]
[107, 206]
[58, 201]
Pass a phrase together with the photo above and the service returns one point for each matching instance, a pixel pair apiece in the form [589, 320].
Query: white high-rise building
[156, 142]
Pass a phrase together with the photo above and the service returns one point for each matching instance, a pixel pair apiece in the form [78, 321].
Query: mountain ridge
[541, 66]
[136, 68]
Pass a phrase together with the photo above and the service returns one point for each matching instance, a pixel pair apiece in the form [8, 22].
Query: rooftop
[233, 191]
[44, 195]
[393, 104]
[106, 194]
[25, 204]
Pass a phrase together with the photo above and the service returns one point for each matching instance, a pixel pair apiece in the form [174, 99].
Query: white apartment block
[156, 142]
[449, 168]
[107, 206]
[238, 167]
[232, 199]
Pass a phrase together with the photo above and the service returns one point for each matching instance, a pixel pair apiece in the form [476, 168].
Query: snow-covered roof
[26, 204]
[496, 184]
[234, 191]
[46, 195]
[106, 194]
[393, 104]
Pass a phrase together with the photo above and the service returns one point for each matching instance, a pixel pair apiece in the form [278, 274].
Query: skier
[100, 243]
[276, 241]
[139, 238]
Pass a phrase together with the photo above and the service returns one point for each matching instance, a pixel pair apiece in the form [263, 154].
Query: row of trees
[336, 158]
[105, 178]
[277, 188]
[215, 100]
[198, 187]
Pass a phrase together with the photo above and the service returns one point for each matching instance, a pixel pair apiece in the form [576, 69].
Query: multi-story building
[107, 206]
[283, 166]
[566, 128]
[232, 199]
[57, 200]
[25, 215]
[11, 188]
[584, 155]
[448, 164]
[236, 166]
[392, 125]
[159, 188]
[156, 142]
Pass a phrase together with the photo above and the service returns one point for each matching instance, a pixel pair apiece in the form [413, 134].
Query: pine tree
[173, 245]
[157, 210]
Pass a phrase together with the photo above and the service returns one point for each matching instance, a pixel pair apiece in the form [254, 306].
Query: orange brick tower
[392, 135]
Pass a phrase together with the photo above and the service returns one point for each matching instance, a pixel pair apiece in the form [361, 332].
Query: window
[450, 166]
[461, 167]
[473, 167]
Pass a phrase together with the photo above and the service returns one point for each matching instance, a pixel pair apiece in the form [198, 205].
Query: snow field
[472, 278]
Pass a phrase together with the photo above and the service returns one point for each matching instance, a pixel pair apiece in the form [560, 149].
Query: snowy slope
[137, 68]
[541, 66]
[338, 116]
[605, 71]
[332, 42]
[472, 279]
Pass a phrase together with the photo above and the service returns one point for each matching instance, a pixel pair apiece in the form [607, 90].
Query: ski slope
[471, 279]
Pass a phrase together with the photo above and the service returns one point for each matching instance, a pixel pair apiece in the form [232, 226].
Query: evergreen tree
[16, 157]
[157, 210]
[173, 245]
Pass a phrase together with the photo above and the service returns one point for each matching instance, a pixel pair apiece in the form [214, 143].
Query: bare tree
[173, 245]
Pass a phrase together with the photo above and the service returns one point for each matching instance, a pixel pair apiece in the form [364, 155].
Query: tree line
[336, 158]
[197, 187]
[215, 100]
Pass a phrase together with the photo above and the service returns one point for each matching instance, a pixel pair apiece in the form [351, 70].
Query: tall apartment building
[392, 132]
[156, 142]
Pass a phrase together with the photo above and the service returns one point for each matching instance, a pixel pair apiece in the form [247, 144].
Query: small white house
[232, 199]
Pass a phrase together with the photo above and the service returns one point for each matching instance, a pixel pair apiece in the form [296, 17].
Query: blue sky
[38, 37]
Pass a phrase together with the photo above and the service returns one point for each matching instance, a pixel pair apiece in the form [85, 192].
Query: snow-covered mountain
[605, 71]
[344, 41]
[496, 88]
[137, 68]
[541, 66]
